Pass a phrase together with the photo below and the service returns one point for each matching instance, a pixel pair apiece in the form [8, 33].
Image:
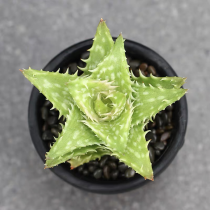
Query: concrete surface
[32, 32]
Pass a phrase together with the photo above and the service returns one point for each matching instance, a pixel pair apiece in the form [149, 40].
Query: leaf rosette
[106, 108]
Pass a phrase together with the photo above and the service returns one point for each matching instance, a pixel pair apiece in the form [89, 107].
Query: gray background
[32, 32]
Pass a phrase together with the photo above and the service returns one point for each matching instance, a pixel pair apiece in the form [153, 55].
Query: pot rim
[110, 187]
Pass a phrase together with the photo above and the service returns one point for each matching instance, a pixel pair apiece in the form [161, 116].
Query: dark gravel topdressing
[109, 167]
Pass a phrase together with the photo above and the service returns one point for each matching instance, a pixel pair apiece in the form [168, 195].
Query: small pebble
[55, 132]
[103, 161]
[122, 167]
[151, 154]
[72, 68]
[129, 173]
[81, 64]
[169, 127]
[80, 168]
[80, 72]
[165, 143]
[169, 116]
[114, 174]
[94, 162]
[112, 164]
[91, 168]
[151, 124]
[61, 120]
[165, 136]
[164, 118]
[136, 73]
[153, 131]
[143, 66]
[97, 174]
[106, 171]
[45, 127]
[52, 120]
[59, 128]
[158, 121]
[53, 113]
[44, 112]
[134, 64]
[160, 131]
[159, 146]
[157, 152]
[151, 136]
[169, 108]
[47, 104]
[122, 175]
[151, 70]
[113, 158]
[85, 172]
[85, 55]
[47, 135]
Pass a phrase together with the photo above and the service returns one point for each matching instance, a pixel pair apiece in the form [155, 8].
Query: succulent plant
[106, 108]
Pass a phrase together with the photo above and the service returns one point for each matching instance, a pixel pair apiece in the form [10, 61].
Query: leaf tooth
[62, 126]
[52, 107]
[133, 76]
[58, 71]
[92, 70]
[133, 90]
[67, 71]
[85, 60]
[82, 69]
[141, 75]
[151, 86]
[152, 76]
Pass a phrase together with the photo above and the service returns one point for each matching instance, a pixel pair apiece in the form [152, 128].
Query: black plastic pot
[135, 50]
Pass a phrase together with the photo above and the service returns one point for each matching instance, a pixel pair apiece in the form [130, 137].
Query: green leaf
[149, 101]
[61, 159]
[53, 86]
[102, 44]
[114, 68]
[116, 105]
[114, 133]
[79, 160]
[85, 92]
[106, 97]
[136, 154]
[159, 82]
[101, 105]
[74, 135]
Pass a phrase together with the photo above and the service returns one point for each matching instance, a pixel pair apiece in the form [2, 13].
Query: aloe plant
[106, 108]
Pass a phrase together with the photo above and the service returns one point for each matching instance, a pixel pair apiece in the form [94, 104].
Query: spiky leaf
[74, 135]
[61, 159]
[115, 68]
[114, 133]
[85, 92]
[115, 102]
[53, 86]
[160, 82]
[102, 44]
[149, 101]
[79, 160]
[136, 154]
